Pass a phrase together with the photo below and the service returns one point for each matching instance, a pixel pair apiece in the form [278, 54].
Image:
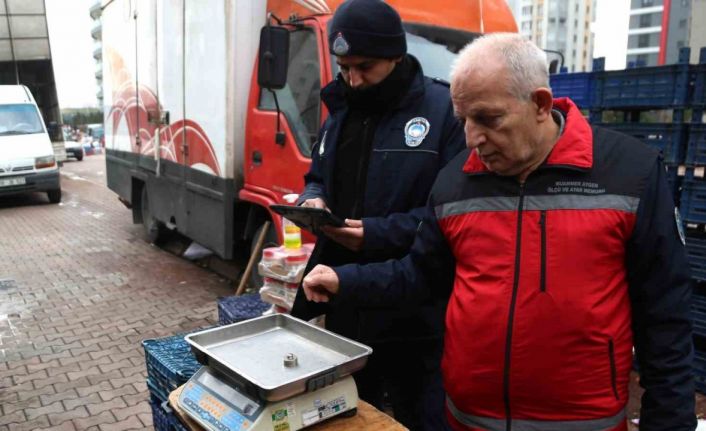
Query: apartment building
[96, 34]
[559, 25]
[657, 30]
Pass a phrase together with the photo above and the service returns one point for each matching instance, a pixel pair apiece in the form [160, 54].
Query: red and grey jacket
[554, 282]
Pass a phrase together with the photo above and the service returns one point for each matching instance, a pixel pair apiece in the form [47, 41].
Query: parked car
[95, 133]
[27, 161]
[73, 148]
[93, 139]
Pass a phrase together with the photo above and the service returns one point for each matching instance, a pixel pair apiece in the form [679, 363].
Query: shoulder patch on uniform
[442, 82]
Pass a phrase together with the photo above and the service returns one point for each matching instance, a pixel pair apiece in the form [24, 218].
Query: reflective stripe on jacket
[613, 423]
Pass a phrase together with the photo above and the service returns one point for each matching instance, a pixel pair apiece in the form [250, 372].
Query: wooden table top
[368, 418]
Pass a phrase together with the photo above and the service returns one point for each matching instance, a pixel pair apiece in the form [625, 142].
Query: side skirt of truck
[200, 205]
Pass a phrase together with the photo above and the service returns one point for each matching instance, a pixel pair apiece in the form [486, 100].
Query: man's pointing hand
[320, 284]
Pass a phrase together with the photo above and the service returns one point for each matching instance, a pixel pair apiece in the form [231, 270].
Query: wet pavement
[79, 290]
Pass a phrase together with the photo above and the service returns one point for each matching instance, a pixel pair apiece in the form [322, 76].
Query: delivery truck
[198, 140]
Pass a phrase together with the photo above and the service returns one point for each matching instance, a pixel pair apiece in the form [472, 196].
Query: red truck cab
[274, 169]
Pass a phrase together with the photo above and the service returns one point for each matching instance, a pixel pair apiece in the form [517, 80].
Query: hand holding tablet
[311, 219]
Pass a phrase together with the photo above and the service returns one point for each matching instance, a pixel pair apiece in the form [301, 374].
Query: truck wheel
[79, 156]
[54, 196]
[271, 240]
[154, 229]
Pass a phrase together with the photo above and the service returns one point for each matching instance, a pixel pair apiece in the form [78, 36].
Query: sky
[74, 67]
[72, 52]
[611, 32]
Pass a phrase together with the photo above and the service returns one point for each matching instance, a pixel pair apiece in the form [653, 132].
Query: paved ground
[79, 290]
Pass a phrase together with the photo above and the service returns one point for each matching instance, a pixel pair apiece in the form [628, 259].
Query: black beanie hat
[369, 28]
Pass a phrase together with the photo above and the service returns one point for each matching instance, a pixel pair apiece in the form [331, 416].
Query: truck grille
[22, 168]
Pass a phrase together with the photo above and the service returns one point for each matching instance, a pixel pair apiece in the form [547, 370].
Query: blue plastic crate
[698, 314]
[160, 418]
[170, 362]
[692, 202]
[642, 87]
[160, 421]
[232, 309]
[670, 138]
[154, 398]
[164, 418]
[159, 382]
[696, 147]
[700, 86]
[696, 254]
[576, 86]
[157, 392]
[176, 423]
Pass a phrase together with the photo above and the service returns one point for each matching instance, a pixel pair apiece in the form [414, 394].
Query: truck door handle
[257, 158]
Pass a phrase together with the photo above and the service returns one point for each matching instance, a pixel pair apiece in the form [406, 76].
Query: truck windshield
[434, 47]
[435, 58]
[19, 119]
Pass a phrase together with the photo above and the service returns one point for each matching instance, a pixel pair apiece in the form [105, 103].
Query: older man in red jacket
[567, 252]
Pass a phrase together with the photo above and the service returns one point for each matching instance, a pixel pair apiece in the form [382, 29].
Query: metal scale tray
[251, 355]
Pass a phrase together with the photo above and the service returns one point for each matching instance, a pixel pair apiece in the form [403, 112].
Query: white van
[27, 161]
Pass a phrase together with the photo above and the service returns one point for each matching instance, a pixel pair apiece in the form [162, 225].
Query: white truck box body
[186, 57]
[179, 71]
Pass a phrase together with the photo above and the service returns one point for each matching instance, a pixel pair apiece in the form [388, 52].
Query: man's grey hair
[526, 63]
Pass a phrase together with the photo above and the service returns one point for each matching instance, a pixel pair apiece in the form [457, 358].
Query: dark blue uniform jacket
[399, 178]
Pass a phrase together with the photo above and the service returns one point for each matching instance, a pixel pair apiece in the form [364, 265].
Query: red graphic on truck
[183, 142]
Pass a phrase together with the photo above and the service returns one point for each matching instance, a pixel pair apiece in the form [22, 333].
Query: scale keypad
[211, 410]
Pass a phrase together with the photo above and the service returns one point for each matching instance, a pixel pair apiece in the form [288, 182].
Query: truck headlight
[44, 162]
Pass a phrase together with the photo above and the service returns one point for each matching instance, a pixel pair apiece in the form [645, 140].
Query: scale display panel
[217, 405]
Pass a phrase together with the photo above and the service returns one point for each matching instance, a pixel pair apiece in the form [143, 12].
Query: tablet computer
[311, 219]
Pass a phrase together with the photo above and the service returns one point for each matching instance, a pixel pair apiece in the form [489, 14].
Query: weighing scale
[274, 373]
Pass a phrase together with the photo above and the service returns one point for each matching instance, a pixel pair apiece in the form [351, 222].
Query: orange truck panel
[477, 16]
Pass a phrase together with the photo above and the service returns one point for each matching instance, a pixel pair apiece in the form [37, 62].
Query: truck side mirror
[553, 67]
[557, 64]
[273, 58]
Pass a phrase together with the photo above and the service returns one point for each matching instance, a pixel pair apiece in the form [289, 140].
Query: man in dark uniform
[389, 132]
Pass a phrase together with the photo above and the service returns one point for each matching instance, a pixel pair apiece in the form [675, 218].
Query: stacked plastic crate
[693, 210]
[694, 188]
[578, 86]
[170, 364]
[659, 90]
[232, 309]
[675, 90]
